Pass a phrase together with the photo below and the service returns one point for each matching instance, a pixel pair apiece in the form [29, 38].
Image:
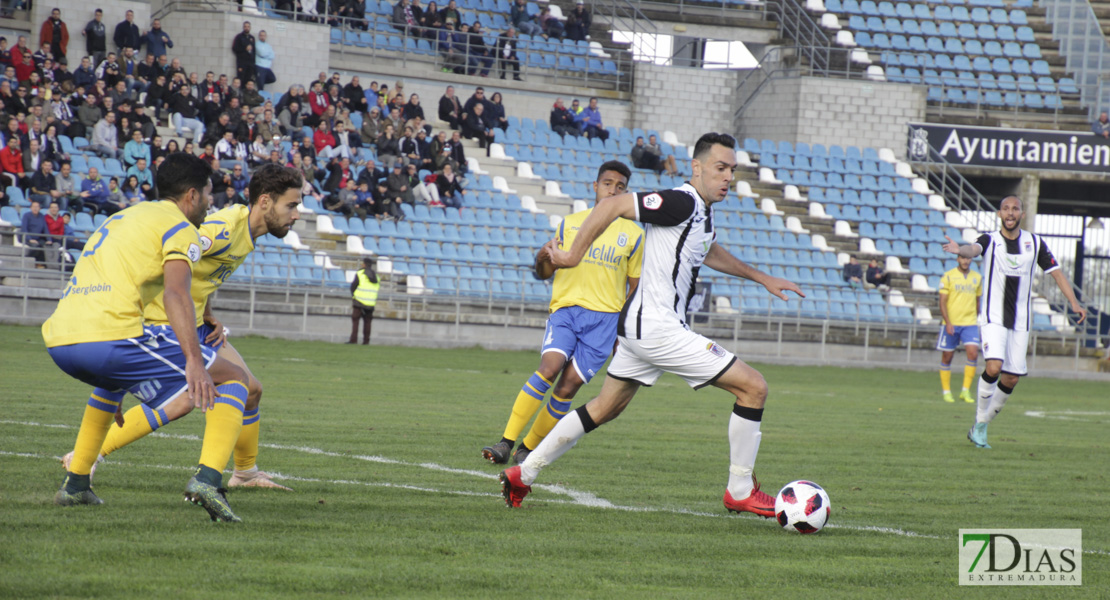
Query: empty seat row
[943, 12]
[943, 30]
[983, 81]
[760, 147]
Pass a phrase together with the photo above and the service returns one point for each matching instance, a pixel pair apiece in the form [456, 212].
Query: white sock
[743, 442]
[253, 469]
[563, 437]
[998, 400]
[986, 392]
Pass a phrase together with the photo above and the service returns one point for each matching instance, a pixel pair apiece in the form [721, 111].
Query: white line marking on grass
[577, 498]
[1068, 415]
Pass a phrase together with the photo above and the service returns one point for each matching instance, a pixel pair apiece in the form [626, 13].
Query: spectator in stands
[144, 177]
[127, 33]
[506, 54]
[243, 48]
[355, 97]
[290, 120]
[853, 272]
[1101, 127]
[156, 40]
[345, 201]
[11, 161]
[877, 275]
[115, 194]
[458, 154]
[389, 152]
[268, 126]
[84, 75]
[257, 152]
[135, 149]
[430, 21]
[578, 22]
[132, 191]
[55, 33]
[231, 152]
[477, 127]
[449, 109]
[450, 190]
[338, 174]
[422, 192]
[412, 109]
[264, 61]
[96, 37]
[156, 96]
[105, 142]
[68, 186]
[400, 185]
[184, 110]
[523, 22]
[5, 52]
[32, 226]
[318, 102]
[326, 146]
[371, 175]
[32, 159]
[454, 52]
[55, 223]
[552, 26]
[481, 55]
[43, 185]
[562, 120]
[651, 157]
[406, 17]
[94, 191]
[496, 116]
[478, 97]
[591, 121]
[450, 14]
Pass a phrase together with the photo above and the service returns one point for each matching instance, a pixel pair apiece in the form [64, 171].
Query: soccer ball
[802, 506]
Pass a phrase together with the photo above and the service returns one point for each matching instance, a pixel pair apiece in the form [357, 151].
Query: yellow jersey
[963, 293]
[225, 241]
[599, 282]
[120, 273]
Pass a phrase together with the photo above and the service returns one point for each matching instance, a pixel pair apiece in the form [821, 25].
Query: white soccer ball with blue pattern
[802, 507]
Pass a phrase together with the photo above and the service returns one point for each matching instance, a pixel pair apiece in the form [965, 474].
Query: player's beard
[274, 226]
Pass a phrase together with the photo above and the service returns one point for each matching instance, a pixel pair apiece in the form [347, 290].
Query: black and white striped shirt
[1008, 267]
[678, 232]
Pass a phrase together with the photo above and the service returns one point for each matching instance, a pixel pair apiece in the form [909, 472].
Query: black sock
[511, 443]
[1002, 387]
[209, 475]
[989, 378]
[588, 424]
[77, 483]
[751, 414]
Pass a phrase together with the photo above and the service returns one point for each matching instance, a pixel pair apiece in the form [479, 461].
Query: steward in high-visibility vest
[364, 295]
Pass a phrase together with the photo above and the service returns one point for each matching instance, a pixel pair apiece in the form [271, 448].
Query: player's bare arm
[1065, 287]
[721, 260]
[606, 211]
[543, 267]
[183, 320]
[217, 336]
[964, 250]
[944, 314]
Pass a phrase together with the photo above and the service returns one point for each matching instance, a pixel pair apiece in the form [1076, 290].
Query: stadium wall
[686, 101]
[843, 112]
[202, 40]
[519, 101]
[75, 14]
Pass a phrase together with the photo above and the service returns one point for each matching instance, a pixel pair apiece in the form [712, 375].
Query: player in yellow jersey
[960, 290]
[226, 239]
[585, 304]
[97, 334]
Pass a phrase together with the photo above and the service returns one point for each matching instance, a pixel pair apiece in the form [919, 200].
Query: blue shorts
[585, 337]
[967, 335]
[151, 367]
[202, 332]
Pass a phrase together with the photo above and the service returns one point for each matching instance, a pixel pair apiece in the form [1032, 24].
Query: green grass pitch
[392, 499]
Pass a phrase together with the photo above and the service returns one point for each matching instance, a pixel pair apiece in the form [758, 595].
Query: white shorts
[693, 357]
[1006, 345]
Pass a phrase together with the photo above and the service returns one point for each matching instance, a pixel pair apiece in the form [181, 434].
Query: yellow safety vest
[367, 291]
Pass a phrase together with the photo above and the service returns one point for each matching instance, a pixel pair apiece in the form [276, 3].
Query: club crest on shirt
[986, 346]
[715, 349]
[622, 239]
[653, 201]
[193, 253]
[1028, 246]
[205, 242]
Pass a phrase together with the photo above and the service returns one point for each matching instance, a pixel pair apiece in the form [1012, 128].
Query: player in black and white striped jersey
[652, 333]
[1010, 257]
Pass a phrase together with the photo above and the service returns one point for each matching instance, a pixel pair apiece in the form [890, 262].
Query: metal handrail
[1084, 46]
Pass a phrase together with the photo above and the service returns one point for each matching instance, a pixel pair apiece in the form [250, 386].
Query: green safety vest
[367, 292]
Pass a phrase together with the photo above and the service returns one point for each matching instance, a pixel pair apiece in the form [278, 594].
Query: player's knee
[756, 391]
[1008, 380]
[567, 389]
[972, 353]
[254, 393]
[993, 368]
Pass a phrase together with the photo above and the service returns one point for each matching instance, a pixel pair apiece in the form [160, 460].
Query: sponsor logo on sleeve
[193, 253]
[653, 201]
[205, 242]
[715, 349]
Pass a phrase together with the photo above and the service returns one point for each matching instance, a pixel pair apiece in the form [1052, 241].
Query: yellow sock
[246, 448]
[99, 412]
[946, 378]
[528, 401]
[556, 408]
[969, 375]
[138, 422]
[222, 424]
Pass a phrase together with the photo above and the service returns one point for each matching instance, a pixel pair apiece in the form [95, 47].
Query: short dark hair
[616, 166]
[181, 172]
[711, 139]
[273, 180]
